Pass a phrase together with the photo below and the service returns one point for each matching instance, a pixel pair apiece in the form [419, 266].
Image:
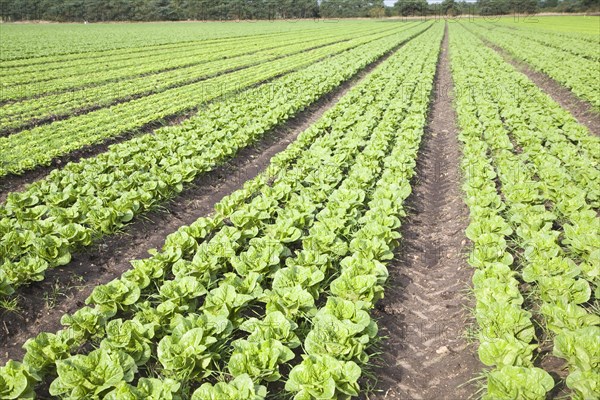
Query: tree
[411, 7]
[376, 9]
[590, 4]
[449, 7]
[548, 3]
[348, 8]
[153, 10]
[493, 7]
[520, 6]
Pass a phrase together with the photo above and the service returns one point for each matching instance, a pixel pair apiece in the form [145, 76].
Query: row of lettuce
[26, 45]
[274, 289]
[40, 145]
[42, 226]
[574, 63]
[533, 189]
[577, 44]
[118, 65]
[64, 79]
[171, 73]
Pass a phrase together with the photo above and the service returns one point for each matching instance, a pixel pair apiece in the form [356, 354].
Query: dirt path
[424, 312]
[583, 112]
[64, 290]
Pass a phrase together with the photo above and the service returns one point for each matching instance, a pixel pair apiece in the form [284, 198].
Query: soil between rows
[424, 314]
[65, 288]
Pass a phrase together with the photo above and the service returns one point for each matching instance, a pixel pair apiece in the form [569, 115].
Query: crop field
[373, 209]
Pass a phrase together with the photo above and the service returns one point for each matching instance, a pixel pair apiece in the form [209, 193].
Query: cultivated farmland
[390, 209]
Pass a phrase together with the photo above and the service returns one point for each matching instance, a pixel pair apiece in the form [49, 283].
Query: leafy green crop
[530, 173]
[16, 381]
[575, 71]
[147, 388]
[69, 208]
[230, 303]
[92, 375]
[324, 377]
[512, 382]
[242, 387]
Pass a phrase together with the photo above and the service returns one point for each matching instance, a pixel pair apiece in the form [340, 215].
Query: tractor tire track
[424, 316]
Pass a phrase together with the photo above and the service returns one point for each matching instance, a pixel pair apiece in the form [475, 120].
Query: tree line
[494, 7]
[175, 10]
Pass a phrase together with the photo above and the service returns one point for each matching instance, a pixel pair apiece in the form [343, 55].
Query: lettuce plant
[324, 377]
[240, 388]
[17, 382]
[47, 348]
[260, 360]
[274, 326]
[512, 382]
[92, 375]
[147, 389]
[187, 353]
[129, 336]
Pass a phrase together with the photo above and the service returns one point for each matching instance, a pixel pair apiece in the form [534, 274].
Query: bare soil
[65, 289]
[424, 314]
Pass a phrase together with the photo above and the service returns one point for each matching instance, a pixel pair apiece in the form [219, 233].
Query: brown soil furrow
[424, 312]
[65, 289]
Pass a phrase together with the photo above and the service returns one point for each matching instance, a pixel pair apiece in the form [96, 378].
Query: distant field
[35, 40]
[375, 209]
[580, 24]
